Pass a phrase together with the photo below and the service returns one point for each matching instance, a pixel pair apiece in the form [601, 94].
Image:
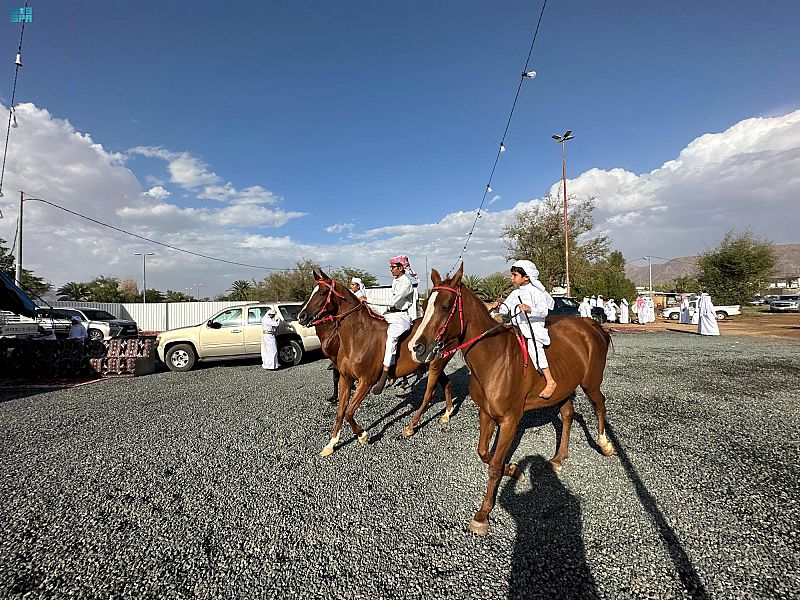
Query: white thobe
[585, 309]
[707, 321]
[77, 332]
[685, 318]
[536, 333]
[624, 317]
[611, 311]
[400, 321]
[269, 346]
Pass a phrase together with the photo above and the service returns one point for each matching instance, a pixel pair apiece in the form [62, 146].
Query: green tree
[290, 284]
[78, 292]
[154, 296]
[495, 287]
[173, 296]
[538, 235]
[345, 274]
[240, 290]
[738, 268]
[473, 282]
[606, 276]
[104, 289]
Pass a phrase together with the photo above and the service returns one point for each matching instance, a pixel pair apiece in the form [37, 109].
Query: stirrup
[381, 383]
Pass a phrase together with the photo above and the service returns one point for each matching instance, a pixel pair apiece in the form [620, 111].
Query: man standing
[397, 313]
[77, 331]
[707, 320]
[269, 346]
[685, 318]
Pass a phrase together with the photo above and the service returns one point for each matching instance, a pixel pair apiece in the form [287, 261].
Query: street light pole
[562, 139]
[18, 271]
[144, 256]
[649, 260]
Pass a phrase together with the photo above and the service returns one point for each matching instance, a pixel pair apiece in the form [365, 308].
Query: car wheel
[674, 316]
[180, 357]
[290, 353]
[721, 315]
[95, 335]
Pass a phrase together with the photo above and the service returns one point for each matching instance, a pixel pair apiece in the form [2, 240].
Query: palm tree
[77, 292]
[473, 282]
[240, 290]
[495, 287]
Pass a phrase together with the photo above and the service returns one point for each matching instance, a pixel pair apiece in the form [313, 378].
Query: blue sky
[373, 114]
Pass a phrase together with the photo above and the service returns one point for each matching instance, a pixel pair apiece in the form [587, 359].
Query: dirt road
[761, 324]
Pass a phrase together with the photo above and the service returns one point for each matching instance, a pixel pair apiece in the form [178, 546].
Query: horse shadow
[549, 559]
[411, 399]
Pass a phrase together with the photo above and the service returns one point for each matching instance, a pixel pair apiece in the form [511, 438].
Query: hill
[788, 264]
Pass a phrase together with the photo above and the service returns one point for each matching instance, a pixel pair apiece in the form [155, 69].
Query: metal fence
[160, 316]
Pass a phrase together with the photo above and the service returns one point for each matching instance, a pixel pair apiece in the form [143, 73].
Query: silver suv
[100, 324]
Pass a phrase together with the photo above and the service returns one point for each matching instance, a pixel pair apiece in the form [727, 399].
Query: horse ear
[314, 273]
[436, 279]
[456, 280]
[322, 275]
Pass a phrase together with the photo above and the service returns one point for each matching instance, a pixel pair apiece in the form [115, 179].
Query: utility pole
[144, 256]
[18, 272]
[562, 139]
[649, 260]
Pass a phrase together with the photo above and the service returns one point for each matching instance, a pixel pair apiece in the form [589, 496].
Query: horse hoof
[363, 438]
[557, 467]
[478, 528]
[605, 446]
[326, 451]
[408, 431]
[517, 473]
[445, 418]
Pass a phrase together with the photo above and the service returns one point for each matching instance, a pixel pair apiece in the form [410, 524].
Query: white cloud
[339, 227]
[158, 192]
[495, 199]
[746, 175]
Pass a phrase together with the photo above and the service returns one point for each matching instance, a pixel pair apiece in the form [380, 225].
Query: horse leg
[599, 401]
[487, 427]
[447, 385]
[361, 391]
[567, 412]
[434, 376]
[346, 384]
[497, 468]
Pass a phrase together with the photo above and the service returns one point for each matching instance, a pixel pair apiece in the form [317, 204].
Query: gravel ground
[208, 484]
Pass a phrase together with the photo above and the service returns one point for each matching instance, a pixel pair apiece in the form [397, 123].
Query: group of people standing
[610, 308]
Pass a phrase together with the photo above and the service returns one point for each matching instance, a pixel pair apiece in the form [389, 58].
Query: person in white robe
[585, 309]
[696, 313]
[269, 345]
[707, 321]
[650, 310]
[357, 287]
[624, 316]
[529, 305]
[611, 310]
[685, 317]
[77, 331]
[593, 302]
[397, 314]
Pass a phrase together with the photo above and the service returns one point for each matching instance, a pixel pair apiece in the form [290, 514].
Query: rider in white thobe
[397, 313]
[269, 346]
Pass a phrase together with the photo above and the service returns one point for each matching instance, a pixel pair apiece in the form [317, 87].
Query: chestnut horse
[501, 384]
[354, 338]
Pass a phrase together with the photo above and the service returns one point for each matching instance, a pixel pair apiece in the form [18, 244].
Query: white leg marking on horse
[425, 320]
[363, 438]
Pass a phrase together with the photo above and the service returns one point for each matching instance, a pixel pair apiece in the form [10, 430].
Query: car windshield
[569, 302]
[98, 315]
[788, 297]
[289, 311]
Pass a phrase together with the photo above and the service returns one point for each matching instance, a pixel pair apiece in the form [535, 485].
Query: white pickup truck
[722, 312]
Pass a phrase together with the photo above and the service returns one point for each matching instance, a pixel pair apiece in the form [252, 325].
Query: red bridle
[440, 343]
[332, 292]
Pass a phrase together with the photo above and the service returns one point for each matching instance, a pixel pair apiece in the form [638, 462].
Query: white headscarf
[271, 312]
[532, 272]
[360, 283]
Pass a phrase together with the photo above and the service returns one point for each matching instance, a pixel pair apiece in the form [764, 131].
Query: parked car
[757, 301]
[236, 333]
[785, 304]
[722, 312]
[565, 306]
[100, 324]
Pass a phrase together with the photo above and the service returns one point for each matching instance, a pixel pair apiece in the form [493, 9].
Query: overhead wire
[17, 65]
[501, 148]
[162, 244]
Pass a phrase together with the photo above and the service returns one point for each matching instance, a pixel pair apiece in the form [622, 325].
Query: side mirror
[214, 325]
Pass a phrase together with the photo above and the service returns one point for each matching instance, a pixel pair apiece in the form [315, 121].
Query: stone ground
[209, 484]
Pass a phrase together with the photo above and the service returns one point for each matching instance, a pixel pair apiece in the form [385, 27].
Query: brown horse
[357, 351]
[501, 384]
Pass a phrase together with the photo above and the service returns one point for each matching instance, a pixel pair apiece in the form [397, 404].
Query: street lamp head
[567, 134]
[557, 138]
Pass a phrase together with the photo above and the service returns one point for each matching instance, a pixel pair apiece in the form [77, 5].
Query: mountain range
[788, 264]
